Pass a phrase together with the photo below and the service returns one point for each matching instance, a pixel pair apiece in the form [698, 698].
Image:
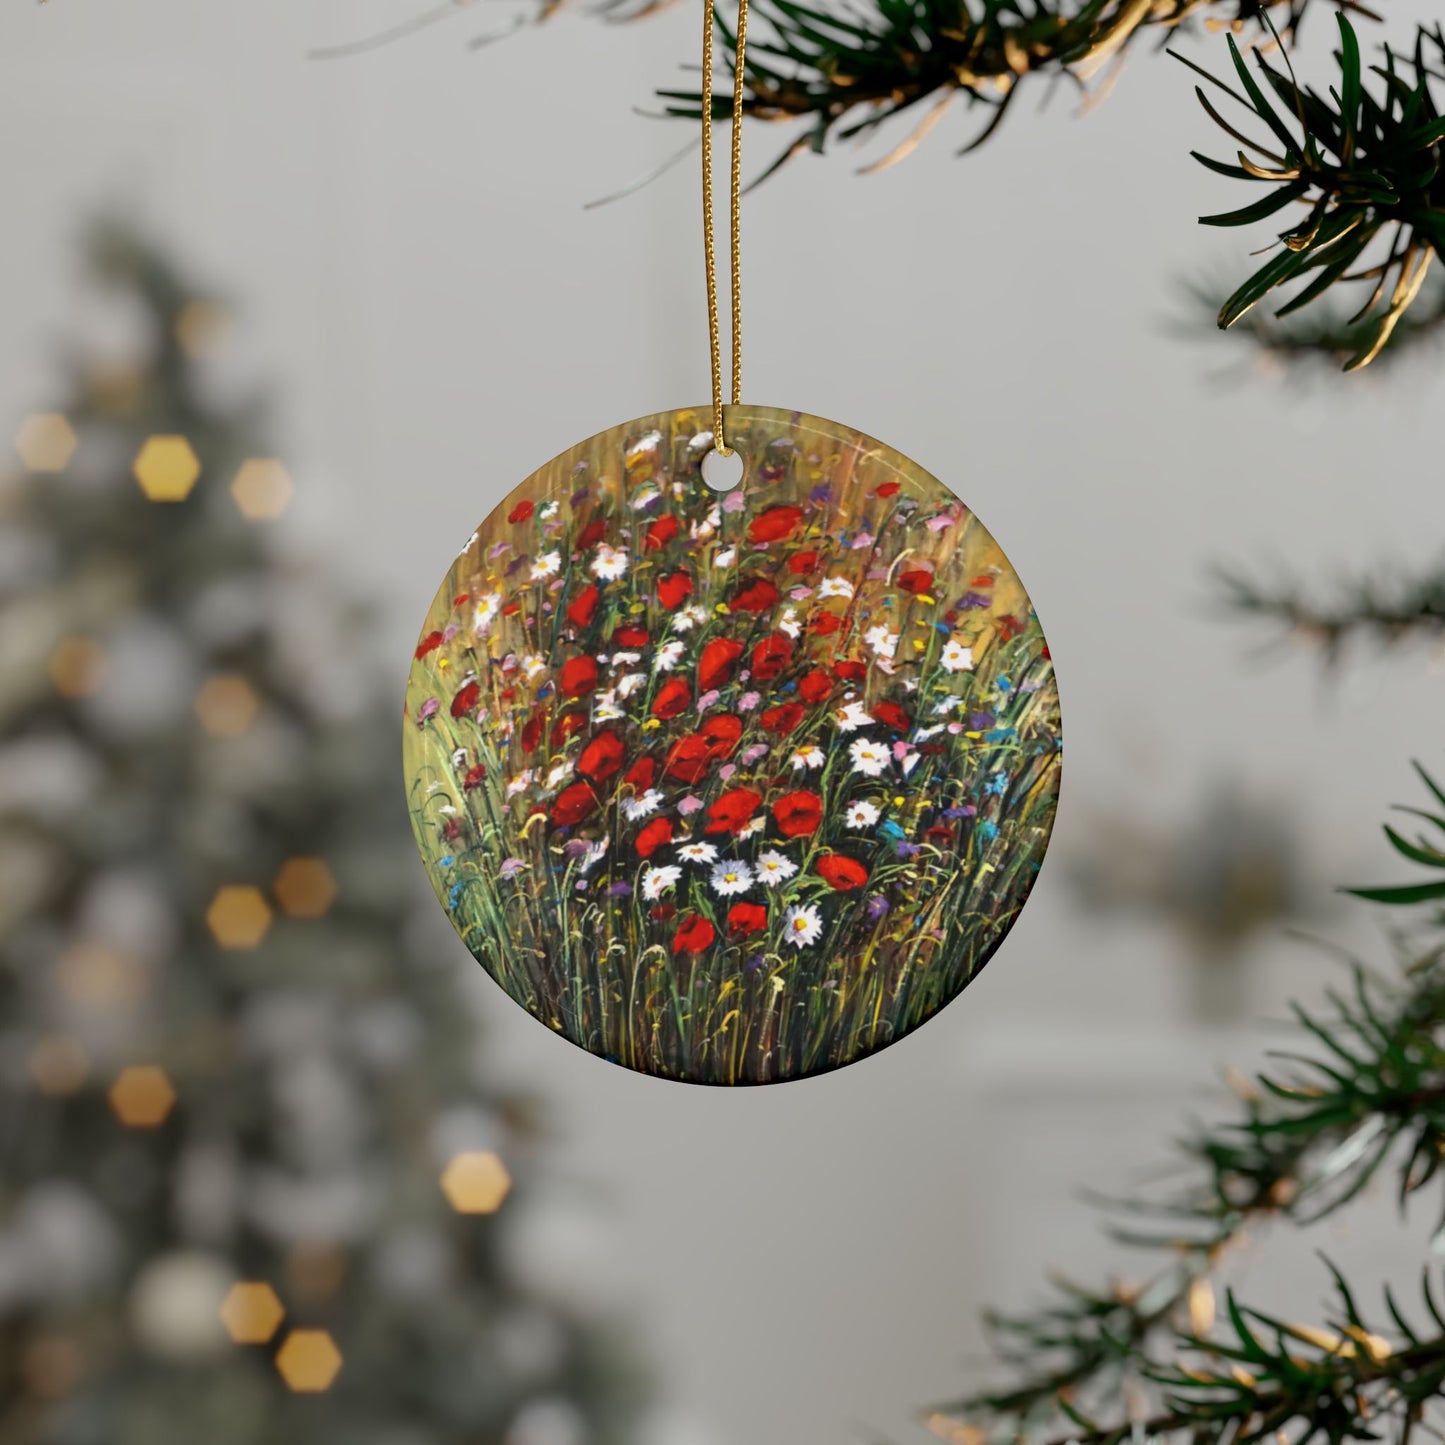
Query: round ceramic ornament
[732, 787]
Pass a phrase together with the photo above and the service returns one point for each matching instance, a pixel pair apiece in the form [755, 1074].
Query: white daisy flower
[698, 852]
[869, 757]
[548, 509]
[636, 808]
[629, 684]
[645, 498]
[729, 878]
[533, 667]
[773, 868]
[488, 605]
[595, 853]
[802, 925]
[910, 762]
[943, 708]
[559, 774]
[789, 623]
[836, 587]
[923, 734]
[860, 815]
[726, 557]
[689, 618]
[750, 830]
[807, 758]
[853, 717]
[520, 783]
[882, 640]
[625, 659]
[669, 655]
[605, 708]
[956, 657]
[547, 565]
[610, 563]
[656, 881]
[699, 531]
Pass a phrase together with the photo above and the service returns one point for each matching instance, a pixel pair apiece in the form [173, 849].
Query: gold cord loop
[735, 216]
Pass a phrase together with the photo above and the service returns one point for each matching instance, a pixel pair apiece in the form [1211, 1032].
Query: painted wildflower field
[732, 787]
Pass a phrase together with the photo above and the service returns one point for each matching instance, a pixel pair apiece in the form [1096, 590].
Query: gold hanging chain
[735, 215]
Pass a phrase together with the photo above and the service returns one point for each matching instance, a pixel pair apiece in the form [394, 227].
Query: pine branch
[1364, 1092]
[1366, 165]
[842, 72]
[1393, 612]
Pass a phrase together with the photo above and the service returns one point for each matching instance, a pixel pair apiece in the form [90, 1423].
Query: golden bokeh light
[142, 1096]
[94, 973]
[239, 916]
[77, 666]
[58, 1065]
[202, 329]
[262, 489]
[308, 1361]
[305, 888]
[252, 1313]
[166, 468]
[226, 705]
[45, 441]
[315, 1271]
[476, 1182]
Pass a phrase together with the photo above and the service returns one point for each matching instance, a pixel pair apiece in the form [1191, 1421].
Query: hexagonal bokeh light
[305, 888]
[226, 705]
[166, 468]
[476, 1182]
[262, 489]
[239, 916]
[252, 1312]
[142, 1096]
[45, 441]
[308, 1361]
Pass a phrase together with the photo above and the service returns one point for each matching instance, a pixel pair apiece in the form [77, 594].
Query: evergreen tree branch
[1364, 1091]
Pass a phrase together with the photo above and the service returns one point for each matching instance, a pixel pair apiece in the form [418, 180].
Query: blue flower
[988, 830]
[996, 785]
[889, 829]
[446, 862]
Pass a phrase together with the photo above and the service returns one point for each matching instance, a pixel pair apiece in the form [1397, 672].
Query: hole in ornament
[722, 473]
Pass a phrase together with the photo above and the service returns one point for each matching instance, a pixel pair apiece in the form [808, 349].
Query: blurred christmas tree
[252, 1184]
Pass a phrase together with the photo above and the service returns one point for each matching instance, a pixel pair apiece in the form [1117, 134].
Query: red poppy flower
[601, 757]
[573, 804]
[715, 665]
[693, 934]
[642, 774]
[783, 718]
[757, 594]
[460, 598]
[674, 589]
[521, 512]
[893, 715]
[747, 918]
[689, 758]
[721, 733]
[844, 874]
[591, 534]
[804, 562]
[888, 489]
[816, 686]
[1009, 627]
[511, 609]
[474, 778]
[579, 676]
[653, 836]
[672, 698]
[583, 607]
[660, 533]
[429, 643]
[825, 624]
[772, 655]
[731, 812]
[532, 730]
[916, 580]
[798, 814]
[664, 911]
[773, 524]
[850, 671]
[466, 699]
[631, 636]
[567, 726]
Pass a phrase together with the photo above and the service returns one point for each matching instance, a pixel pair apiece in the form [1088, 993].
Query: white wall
[440, 316]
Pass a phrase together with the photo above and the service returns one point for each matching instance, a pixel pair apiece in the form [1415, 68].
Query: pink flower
[689, 804]
[748, 701]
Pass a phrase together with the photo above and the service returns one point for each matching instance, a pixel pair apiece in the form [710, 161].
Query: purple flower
[877, 906]
[820, 496]
[496, 550]
[909, 850]
[430, 708]
[978, 721]
[622, 889]
[972, 601]
[862, 541]
[511, 867]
